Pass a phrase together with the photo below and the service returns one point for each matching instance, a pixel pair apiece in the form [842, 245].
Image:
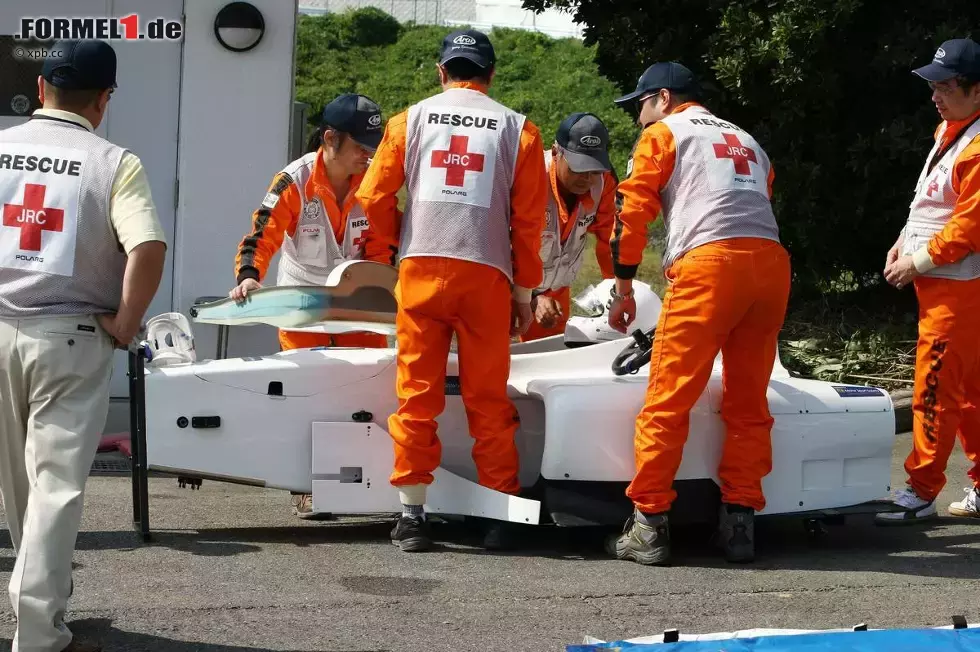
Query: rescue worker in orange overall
[311, 214]
[581, 200]
[939, 252]
[728, 287]
[469, 260]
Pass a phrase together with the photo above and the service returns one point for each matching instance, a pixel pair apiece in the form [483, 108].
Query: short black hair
[686, 96]
[967, 82]
[74, 100]
[460, 69]
[316, 138]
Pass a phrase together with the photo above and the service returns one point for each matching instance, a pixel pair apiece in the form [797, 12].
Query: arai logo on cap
[375, 120]
[940, 53]
[463, 39]
[590, 141]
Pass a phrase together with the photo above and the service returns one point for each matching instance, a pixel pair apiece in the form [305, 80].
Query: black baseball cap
[468, 44]
[356, 115]
[585, 142]
[669, 74]
[80, 65]
[960, 56]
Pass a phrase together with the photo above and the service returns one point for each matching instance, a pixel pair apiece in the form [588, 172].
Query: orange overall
[727, 295]
[439, 295]
[601, 227]
[946, 402]
[271, 225]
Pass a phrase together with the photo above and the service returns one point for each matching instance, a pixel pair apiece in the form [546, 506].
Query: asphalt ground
[232, 570]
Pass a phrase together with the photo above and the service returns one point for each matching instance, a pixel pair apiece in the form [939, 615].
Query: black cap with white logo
[669, 74]
[960, 56]
[356, 115]
[585, 143]
[469, 44]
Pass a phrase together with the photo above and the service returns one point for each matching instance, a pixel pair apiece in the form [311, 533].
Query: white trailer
[211, 125]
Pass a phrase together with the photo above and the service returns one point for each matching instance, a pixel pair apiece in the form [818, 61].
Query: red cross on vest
[933, 187]
[32, 217]
[457, 160]
[359, 240]
[735, 150]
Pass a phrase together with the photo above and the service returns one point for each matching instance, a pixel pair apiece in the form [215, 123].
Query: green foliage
[866, 338]
[826, 87]
[366, 51]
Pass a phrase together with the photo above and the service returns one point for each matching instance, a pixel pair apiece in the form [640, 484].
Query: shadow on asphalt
[947, 548]
[101, 630]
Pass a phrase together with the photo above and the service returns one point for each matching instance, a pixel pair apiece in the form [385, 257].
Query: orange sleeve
[653, 163]
[378, 193]
[603, 226]
[961, 235]
[772, 177]
[269, 226]
[528, 203]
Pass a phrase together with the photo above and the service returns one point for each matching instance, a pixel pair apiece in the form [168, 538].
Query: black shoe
[501, 535]
[736, 533]
[411, 534]
[647, 544]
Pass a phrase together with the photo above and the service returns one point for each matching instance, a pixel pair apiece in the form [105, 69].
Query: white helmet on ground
[595, 300]
[169, 340]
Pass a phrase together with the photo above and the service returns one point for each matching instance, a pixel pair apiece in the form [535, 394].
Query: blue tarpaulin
[895, 640]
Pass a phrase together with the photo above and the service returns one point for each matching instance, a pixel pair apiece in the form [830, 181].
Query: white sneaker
[969, 506]
[914, 509]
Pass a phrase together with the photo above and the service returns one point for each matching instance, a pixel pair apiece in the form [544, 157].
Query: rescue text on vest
[39, 201]
[460, 165]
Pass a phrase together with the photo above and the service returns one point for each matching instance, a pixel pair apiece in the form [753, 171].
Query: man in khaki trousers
[81, 256]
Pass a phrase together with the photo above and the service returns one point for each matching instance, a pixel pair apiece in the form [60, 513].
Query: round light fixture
[239, 26]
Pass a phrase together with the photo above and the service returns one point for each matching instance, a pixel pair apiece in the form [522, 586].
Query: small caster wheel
[193, 483]
[815, 529]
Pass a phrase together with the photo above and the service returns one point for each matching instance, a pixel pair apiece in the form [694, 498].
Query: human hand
[242, 289]
[547, 311]
[120, 329]
[622, 312]
[521, 316]
[901, 272]
[893, 252]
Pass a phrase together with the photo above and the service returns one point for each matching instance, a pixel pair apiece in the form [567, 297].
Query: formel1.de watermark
[111, 28]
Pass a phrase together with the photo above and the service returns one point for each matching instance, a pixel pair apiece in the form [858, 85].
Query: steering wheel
[637, 354]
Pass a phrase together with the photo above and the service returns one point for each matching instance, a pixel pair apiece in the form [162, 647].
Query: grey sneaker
[736, 533]
[411, 534]
[914, 509]
[645, 544]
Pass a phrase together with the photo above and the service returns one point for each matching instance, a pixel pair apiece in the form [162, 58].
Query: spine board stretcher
[314, 420]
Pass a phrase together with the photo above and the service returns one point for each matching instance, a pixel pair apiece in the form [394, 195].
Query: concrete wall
[235, 111]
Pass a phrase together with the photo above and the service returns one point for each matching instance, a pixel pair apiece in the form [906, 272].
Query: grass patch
[650, 271]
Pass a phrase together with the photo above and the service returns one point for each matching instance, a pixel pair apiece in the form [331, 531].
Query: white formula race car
[314, 420]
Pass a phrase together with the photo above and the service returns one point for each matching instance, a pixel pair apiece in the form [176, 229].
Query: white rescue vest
[719, 187]
[59, 254]
[932, 207]
[562, 261]
[460, 154]
[312, 252]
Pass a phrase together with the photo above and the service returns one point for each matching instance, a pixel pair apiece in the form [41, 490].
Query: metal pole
[133, 438]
